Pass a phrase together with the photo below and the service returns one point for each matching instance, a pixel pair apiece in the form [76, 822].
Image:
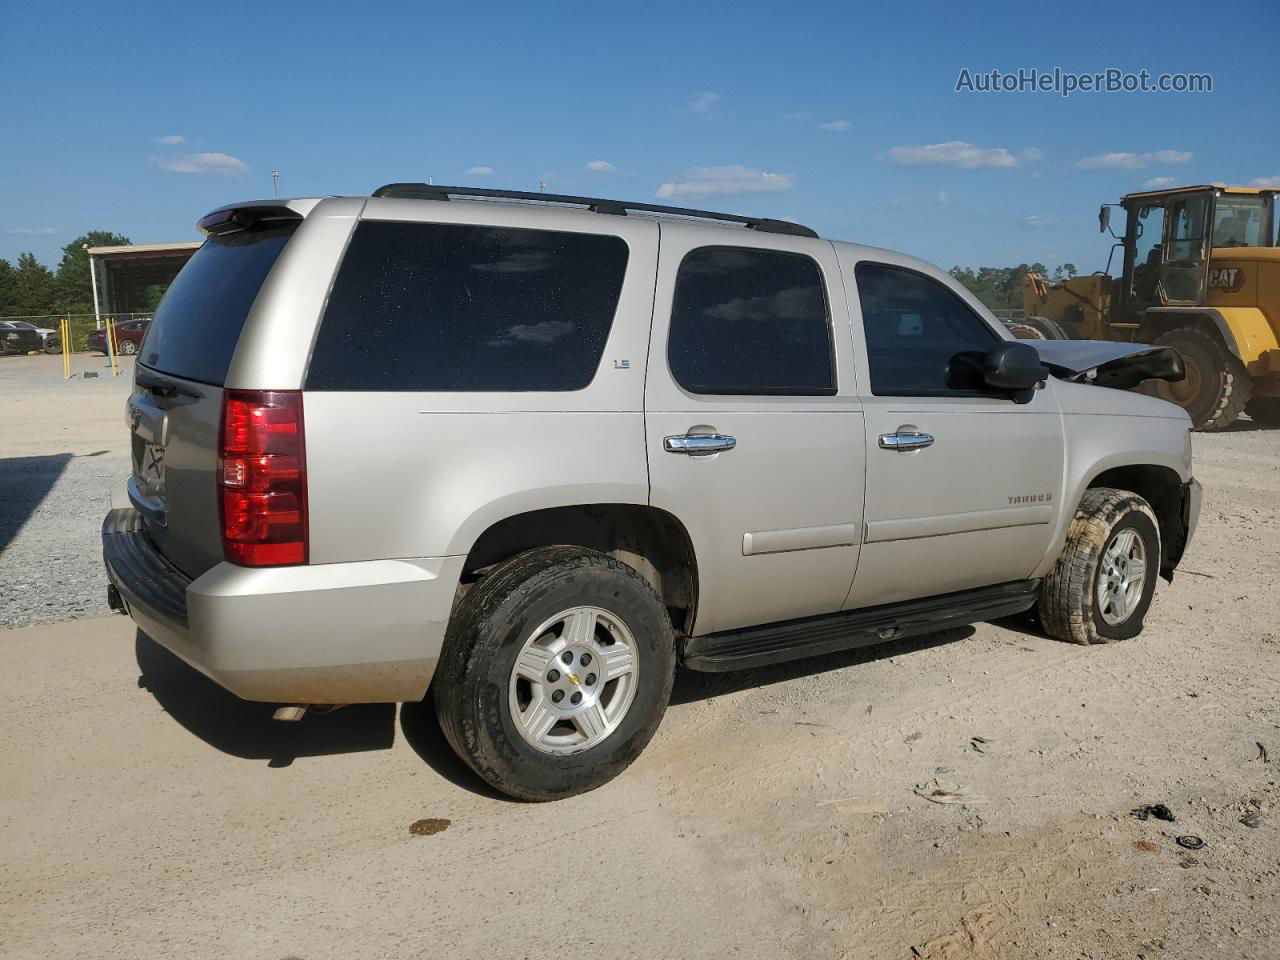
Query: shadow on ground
[1248, 425]
[25, 482]
[243, 729]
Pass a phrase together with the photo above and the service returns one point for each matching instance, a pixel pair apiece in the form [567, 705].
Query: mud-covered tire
[1264, 410]
[1217, 385]
[487, 632]
[1068, 603]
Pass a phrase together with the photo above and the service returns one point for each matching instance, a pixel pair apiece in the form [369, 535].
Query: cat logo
[1230, 279]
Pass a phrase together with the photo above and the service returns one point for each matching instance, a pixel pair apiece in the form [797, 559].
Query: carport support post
[93, 282]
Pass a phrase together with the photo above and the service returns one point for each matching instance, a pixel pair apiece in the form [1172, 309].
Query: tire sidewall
[504, 631]
[1140, 522]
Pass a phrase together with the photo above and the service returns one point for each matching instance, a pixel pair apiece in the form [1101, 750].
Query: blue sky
[843, 117]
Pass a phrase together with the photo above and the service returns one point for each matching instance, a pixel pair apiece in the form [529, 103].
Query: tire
[1069, 596]
[128, 348]
[53, 345]
[1038, 328]
[477, 684]
[1264, 410]
[1217, 385]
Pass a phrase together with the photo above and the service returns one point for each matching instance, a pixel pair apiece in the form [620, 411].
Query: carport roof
[142, 250]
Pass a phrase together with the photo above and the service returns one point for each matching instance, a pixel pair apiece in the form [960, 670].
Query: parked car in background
[17, 336]
[50, 341]
[127, 339]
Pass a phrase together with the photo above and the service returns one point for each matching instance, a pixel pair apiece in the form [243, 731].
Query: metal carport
[121, 275]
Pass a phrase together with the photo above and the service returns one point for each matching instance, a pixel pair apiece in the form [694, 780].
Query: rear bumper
[367, 632]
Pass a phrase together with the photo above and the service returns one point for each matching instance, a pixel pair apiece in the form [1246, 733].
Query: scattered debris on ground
[1157, 810]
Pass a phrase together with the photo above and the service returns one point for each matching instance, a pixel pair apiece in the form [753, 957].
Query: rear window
[197, 324]
[449, 307]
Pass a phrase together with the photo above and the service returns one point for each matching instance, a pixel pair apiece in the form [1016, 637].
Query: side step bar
[812, 636]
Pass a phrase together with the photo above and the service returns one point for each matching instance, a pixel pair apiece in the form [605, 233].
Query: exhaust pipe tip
[290, 714]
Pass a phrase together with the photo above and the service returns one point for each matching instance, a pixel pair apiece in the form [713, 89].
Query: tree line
[30, 289]
[1000, 288]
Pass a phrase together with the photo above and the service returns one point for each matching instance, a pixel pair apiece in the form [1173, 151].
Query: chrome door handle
[904, 442]
[699, 444]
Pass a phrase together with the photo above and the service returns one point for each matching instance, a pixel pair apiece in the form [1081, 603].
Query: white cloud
[703, 102]
[29, 231]
[600, 166]
[1155, 183]
[480, 172]
[954, 153]
[1272, 182]
[1035, 220]
[172, 140]
[1032, 155]
[1168, 156]
[943, 197]
[1134, 161]
[724, 181]
[220, 163]
[836, 126]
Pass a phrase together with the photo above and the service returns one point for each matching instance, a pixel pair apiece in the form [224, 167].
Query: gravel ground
[63, 443]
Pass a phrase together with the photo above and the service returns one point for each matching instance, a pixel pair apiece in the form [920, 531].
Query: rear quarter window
[453, 307]
[197, 325]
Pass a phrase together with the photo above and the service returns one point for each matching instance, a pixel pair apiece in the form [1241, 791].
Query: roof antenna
[542, 186]
[275, 175]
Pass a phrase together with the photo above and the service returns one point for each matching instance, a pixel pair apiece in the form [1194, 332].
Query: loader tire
[1216, 387]
[1038, 328]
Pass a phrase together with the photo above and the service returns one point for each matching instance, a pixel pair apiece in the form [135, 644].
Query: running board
[812, 636]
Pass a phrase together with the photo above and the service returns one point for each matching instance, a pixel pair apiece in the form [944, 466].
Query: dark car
[19, 338]
[128, 337]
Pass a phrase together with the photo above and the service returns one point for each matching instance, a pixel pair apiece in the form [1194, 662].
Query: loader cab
[1170, 236]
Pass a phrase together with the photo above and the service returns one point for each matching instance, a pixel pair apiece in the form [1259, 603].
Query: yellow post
[65, 323]
[111, 345]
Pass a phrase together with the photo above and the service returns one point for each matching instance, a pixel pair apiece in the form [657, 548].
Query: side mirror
[1104, 218]
[1013, 365]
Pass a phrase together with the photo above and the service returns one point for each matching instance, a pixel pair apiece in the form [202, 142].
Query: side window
[449, 307]
[922, 340]
[750, 322]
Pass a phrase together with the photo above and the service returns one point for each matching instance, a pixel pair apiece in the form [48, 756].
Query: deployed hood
[1108, 364]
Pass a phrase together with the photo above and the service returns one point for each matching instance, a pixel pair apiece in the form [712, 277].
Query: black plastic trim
[812, 636]
[139, 570]
[619, 208]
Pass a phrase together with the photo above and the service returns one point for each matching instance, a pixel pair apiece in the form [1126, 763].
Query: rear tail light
[262, 478]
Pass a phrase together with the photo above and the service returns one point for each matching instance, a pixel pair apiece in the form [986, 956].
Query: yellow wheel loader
[1201, 274]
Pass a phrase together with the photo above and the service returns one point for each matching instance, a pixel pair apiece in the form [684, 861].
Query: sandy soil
[146, 814]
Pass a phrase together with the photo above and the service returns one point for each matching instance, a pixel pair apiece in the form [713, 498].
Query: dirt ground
[147, 814]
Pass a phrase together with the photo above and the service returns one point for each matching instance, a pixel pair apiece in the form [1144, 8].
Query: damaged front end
[1103, 363]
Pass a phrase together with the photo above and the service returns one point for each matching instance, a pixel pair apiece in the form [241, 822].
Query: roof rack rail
[617, 208]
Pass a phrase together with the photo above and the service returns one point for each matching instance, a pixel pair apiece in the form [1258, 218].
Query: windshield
[1239, 221]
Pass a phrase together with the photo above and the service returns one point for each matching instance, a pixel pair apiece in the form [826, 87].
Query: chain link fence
[80, 325]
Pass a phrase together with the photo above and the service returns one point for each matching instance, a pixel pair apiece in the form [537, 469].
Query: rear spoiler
[253, 215]
[1108, 364]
